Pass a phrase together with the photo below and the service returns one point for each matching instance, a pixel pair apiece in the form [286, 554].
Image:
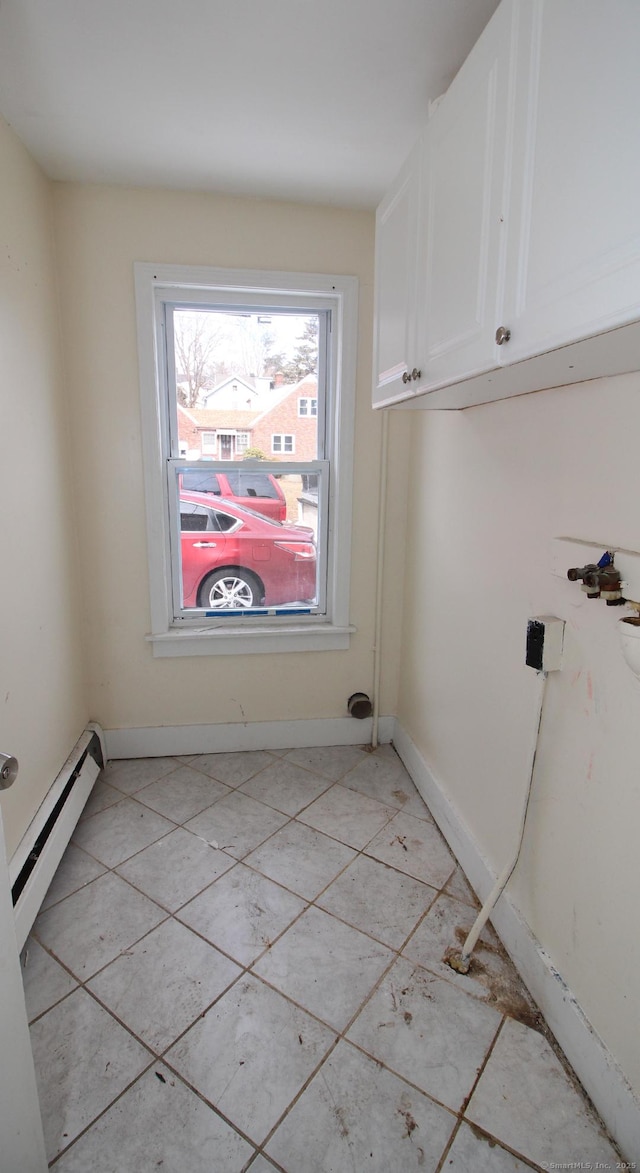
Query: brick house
[286, 430]
[209, 434]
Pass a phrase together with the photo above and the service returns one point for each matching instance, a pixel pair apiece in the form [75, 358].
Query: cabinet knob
[503, 334]
[415, 374]
[406, 378]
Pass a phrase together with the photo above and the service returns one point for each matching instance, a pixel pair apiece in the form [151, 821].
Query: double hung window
[248, 513]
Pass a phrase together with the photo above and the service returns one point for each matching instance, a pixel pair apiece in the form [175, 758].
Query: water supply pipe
[377, 634]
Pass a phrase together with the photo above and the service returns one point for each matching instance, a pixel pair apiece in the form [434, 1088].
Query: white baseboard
[593, 1063]
[176, 740]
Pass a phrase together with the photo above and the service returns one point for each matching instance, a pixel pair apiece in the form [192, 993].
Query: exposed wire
[461, 961]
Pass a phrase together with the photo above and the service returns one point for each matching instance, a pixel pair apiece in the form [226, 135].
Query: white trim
[593, 1063]
[339, 296]
[177, 740]
[287, 637]
[284, 451]
[23, 1146]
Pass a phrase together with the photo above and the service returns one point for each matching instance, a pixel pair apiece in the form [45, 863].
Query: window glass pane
[193, 518]
[225, 521]
[241, 379]
[226, 412]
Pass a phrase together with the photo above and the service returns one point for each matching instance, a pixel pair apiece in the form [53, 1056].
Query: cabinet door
[395, 283]
[574, 248]
[469, 143]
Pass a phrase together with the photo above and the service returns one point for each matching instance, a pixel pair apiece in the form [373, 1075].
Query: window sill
[206, 642]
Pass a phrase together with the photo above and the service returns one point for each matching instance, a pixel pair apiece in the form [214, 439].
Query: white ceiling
[313, 100]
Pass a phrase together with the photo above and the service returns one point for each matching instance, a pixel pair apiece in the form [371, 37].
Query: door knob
[406, 378]
[503, 334]
[8, 770]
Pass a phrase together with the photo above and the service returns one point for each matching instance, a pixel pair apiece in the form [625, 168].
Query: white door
[469, 143]
[21, 1140]
[574, 237]
[396, 273]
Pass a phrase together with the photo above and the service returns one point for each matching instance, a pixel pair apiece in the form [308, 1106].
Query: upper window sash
[167, 305]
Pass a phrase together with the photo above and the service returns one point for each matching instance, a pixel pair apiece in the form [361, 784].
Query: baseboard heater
[40, 850]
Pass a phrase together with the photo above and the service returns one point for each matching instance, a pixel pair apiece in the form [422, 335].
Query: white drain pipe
[377, 634]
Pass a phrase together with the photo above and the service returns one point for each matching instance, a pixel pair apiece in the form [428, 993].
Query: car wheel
[230, 590]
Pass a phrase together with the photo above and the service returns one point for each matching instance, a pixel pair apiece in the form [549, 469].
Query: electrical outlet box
[545, 637]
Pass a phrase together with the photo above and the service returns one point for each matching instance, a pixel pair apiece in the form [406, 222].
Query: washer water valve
[599, 580]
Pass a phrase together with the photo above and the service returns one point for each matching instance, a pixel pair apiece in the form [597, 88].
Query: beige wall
[493, 485]
[489, 488]
[100, 232]
[43, 709]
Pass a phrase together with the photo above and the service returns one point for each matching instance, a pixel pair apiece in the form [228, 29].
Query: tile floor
[239, 966]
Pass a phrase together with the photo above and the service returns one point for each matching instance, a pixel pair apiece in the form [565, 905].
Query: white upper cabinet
[397, 233]
[523, 267]
[574, 236]
[466, 190]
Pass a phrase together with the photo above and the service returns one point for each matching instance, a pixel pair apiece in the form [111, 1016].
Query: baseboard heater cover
[40, 850]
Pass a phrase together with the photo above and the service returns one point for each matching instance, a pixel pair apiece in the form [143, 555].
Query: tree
[255, 348]
[305, 357]
[197, 338]
[254, 454]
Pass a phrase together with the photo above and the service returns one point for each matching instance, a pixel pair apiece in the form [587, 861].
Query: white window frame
[308, 412]
[159, 284]
[283, 451]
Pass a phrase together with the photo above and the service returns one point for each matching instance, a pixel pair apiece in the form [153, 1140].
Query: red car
[234, 558]
[253, 488]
